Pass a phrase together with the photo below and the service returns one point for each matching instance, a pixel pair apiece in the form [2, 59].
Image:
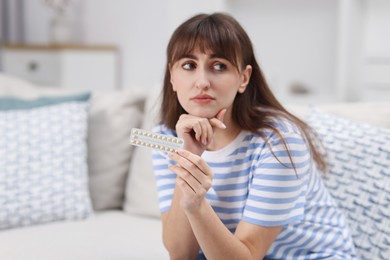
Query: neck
[223, 137]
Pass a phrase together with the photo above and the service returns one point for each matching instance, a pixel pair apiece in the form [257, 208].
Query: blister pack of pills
[152, 140]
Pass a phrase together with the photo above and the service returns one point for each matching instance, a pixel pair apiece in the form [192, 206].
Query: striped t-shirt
[253, 185]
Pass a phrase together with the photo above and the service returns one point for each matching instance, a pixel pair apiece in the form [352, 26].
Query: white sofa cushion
[43, 160]
[373, 113]
[105, 236]
[358, 178]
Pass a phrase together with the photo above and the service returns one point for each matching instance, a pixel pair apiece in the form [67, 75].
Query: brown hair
[252, 110]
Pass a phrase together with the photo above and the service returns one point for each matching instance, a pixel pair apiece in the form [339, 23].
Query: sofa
[108, 206]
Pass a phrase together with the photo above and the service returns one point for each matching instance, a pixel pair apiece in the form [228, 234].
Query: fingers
[217, 121]
[202, 127]
[221, 114]
[189, 159]
[192, 169]
[200, 130]
[184, 175]
[203, 131]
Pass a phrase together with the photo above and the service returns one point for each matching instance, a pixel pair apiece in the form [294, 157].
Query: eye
[219, 66]
[188, 66]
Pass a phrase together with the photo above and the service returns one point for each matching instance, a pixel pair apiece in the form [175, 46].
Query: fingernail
[223, 126]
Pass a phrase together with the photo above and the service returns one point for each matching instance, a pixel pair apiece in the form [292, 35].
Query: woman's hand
[194, 178]
[198, 132]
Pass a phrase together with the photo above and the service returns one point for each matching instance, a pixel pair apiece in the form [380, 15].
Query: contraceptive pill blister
[143, 138]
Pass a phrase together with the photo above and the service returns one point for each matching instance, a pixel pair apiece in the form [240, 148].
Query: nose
[202, 80]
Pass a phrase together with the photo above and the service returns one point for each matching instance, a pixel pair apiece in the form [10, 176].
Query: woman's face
[206, 83]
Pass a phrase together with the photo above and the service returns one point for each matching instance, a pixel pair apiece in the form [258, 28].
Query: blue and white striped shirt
[253, 185]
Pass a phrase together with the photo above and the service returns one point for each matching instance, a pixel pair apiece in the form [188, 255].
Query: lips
[202, 99]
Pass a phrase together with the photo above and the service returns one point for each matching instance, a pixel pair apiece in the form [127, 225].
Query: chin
[204, 113]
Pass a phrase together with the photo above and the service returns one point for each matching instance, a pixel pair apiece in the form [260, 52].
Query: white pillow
[359, 178]
[141, 190]
[111, 116]
[43, 167]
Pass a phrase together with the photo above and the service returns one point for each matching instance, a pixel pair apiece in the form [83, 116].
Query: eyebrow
[212, 56]
[189, 56]
[220, 56]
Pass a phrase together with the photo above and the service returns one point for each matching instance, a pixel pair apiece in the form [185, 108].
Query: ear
[245, 77]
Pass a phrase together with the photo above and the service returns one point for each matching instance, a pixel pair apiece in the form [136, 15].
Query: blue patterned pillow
[359, 178]
[43, 152]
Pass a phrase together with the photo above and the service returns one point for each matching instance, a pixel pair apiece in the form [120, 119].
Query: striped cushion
[43, 168]
[359, 178]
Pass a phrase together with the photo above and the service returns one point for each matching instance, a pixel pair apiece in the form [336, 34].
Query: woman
[247, 183]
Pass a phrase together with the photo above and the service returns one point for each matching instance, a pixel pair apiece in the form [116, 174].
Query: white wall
[1, 31]
[36, 21]
[297, 41]
[1, 22]
[11, 22]
[137, 29]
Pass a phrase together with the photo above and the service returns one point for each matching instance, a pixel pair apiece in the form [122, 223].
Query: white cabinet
[85, 67]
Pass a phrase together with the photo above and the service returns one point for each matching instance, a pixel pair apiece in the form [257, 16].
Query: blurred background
[311, 51]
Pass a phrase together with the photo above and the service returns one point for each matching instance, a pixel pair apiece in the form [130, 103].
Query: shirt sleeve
[277, 192]
[165, 178]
